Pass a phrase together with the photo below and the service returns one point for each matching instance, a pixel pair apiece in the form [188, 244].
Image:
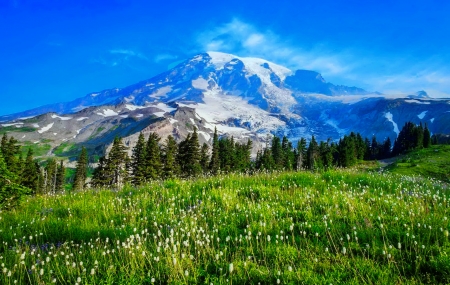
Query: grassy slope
[339, 227]
[430, 162]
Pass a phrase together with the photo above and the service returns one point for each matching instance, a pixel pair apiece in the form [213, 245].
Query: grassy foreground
[337, 227]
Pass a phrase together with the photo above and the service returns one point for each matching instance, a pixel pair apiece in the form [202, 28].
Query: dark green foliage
[50, 173]
[138, 161]
[204, 157]
[112, 170]
[189, 156]
[152, 163]
[426, 137]
[10, 190]
[214, 164]
[81, 171]
[30, 173]
[411, 137]
[170, 168]
[60, 177]
[300, 154]
[312, 154]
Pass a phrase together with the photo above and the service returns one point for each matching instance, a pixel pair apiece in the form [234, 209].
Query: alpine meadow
[224, 142]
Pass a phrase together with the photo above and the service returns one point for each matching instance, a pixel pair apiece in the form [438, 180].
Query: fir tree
[10, 189]
[50, 171]
[312, 154]
[300, 154]
[30, 173]
[153, 165]
[426, 137]
[116, 163]
[81, 170]
[214, 164]
[138, 161]
[204, 157]
[193, 167]
[60, 177]
[170, 168]
[101, 176]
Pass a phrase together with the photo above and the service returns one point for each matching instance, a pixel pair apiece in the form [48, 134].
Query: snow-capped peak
[254, 65]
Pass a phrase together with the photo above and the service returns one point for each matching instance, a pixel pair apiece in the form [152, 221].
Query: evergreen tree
[116, 163]
[277, 152]
[81, 170]
[288, 154]
[193, 167]
[312, 154]
[10, 189]
[138, 161]
[50, 171]
[204, 157]
[214, 164]
[153, 166]
[170, 168]
[426, 137]
[300, 154]
[387, 145]
[182, 155]
[102, 175]
[60, 177]
[30, 173]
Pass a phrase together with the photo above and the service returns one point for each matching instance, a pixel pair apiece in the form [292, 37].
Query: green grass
[14, 129]
[39, 149]
[64, 148]
[339, 227]
[429, 162]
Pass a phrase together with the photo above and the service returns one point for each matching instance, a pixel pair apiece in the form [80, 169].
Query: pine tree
[50, 171]
[204, 157]
[116, 163]
[277, 152]
[170, 168]
[102, 175]
[214, 165]
[300, 154]
[312, 154]
[153, 167]
[426, 137]
[10, 189]
[193, 167]
[30, 173]
[81, 170]
[288, 154]
[138, 161]
[60, 177]
[182, 155]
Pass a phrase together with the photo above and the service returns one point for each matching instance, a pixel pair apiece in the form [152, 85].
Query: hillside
[428, 162]
[339, 227]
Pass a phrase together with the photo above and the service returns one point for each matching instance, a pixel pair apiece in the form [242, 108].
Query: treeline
[19, 175]
[152, 159]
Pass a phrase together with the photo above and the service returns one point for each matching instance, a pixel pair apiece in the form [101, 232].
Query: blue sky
[56, 51]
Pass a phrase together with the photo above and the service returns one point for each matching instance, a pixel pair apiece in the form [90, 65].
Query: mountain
[241, 97]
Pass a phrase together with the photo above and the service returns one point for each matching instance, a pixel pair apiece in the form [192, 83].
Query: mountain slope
[248, 98]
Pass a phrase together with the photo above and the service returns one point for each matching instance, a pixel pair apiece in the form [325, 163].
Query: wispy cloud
[164, 56]
[128, 53]
[350, 65]
[245, 39]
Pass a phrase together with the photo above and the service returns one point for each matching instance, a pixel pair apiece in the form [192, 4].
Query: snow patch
[82, 118]
[124, 116]
[192, 121]
[61, 118]
[417, 102]
[139, 116]
[55, 134]
[422, 115]
[13, 124]
[35, 126]
[200, 83]
[389, 117]
[172, 121]
[133, 107]
[108, 113]
[165, 108]
[159, 114]
[432, 120]
[161, 92]
[205, 135]
[46, 128]
[23, 136]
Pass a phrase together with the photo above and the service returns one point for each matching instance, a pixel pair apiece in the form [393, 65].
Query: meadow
[335, 227]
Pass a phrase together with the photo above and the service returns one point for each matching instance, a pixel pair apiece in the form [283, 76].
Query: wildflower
[92, 271]
[231, 267]
[79, 279]
[186, 273]
[344, 250]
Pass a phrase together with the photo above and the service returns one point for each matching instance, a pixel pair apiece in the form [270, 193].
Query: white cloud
[163, 57]
[350, 66]
[244, 39]
[128, 53]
